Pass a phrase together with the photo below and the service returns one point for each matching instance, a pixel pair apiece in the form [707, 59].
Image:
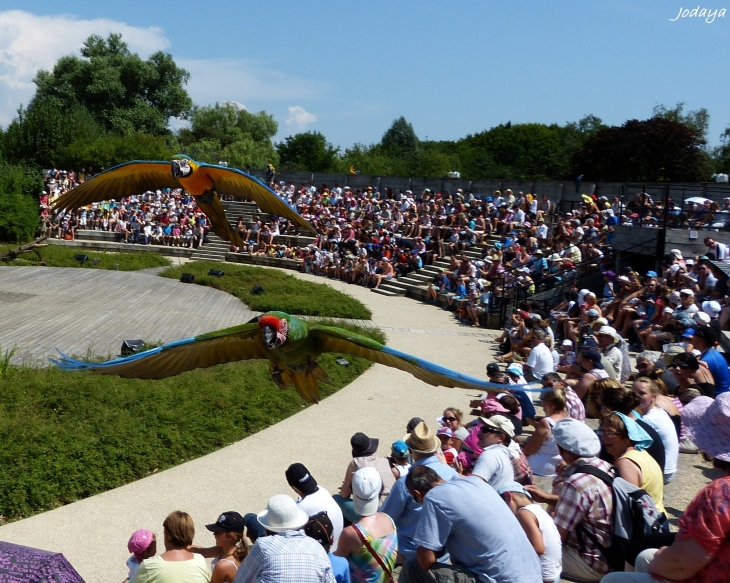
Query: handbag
[376, 556]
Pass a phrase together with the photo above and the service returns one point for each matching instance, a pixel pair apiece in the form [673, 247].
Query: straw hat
[422, 439]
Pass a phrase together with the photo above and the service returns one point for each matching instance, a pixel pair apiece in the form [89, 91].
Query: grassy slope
[61, 256]
[67, 436]
[284, 292]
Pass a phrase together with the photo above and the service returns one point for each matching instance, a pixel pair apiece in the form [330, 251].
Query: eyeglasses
[684, 295]
[450, 419]
[682, 365]
[642, 365]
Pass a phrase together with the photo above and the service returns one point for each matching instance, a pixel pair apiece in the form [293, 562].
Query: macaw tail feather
[67, 363]
[306, 381]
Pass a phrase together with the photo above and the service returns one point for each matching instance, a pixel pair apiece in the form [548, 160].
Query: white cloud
[29, 42]
[299, 118]
[239, 80]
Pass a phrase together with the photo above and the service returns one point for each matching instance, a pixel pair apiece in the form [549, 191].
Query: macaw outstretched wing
[331, 339]
[237, 183]
[231, 344]
[133, 177]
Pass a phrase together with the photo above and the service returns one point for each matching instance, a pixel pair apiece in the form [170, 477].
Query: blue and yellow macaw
[292, 347]
[201, 180]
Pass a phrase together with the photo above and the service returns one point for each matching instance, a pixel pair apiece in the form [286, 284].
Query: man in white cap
[466, 519]
[494, 464]
[290, 556]
[609, 340]
[581, 499]
[423, 444]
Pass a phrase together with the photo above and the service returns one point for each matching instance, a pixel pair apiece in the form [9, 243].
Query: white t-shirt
[660, 420]
[551, 560]
[540, 360]
[320, 501]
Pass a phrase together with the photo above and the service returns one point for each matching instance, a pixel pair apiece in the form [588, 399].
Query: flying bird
[203, 181]
[292, 347]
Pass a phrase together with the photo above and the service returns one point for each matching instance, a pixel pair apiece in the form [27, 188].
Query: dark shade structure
[20, 564]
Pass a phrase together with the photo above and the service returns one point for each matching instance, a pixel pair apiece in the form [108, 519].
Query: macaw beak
[181, 168]
[270, 337]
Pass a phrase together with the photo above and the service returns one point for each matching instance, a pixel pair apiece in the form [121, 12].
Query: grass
[284, 292]
[63, 256]
[67, 436]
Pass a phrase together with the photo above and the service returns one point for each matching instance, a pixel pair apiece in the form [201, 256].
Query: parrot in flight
[201, 180]
[292, 347]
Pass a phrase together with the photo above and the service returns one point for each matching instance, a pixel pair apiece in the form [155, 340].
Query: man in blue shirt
[400, 505]
[464, 518]
[704, 340]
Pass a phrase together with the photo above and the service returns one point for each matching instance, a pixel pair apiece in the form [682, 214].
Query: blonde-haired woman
[541, 449]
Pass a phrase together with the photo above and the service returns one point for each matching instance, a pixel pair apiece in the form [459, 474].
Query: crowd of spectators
[458, 502]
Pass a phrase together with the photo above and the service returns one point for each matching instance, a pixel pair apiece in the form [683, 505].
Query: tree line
[107, 105]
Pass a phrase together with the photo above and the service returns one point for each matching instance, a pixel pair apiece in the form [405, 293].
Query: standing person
[289, 555]
[370, 545]
[405, 511]
[452, 521]
[539, 528]
[701, 550]
[176, 563]
[313, 498]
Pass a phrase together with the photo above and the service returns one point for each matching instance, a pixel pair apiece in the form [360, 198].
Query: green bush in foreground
[67, 436]
[284, 292]
[63, 256]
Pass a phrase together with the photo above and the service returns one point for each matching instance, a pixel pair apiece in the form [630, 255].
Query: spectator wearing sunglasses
[494, 465]
[452, 419]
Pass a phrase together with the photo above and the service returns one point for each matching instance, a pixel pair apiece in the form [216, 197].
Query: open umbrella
[27, 565]
[697, 199]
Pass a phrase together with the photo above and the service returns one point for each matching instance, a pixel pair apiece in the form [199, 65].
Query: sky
[348, 69]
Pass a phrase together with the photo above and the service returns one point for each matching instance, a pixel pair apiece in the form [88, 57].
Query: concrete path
[92, 533]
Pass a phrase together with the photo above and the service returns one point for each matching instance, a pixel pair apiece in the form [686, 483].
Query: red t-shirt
[707, 520]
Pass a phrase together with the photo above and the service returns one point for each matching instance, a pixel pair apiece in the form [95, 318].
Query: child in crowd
[539, 528]
[142, 545]
[320, 529]
[446, 436]
[567, 356]
[400, 459]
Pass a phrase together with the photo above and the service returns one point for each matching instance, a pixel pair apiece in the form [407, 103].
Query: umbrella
[697, 199]
[27, 565]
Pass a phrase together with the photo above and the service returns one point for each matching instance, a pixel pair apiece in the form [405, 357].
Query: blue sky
[451, 68]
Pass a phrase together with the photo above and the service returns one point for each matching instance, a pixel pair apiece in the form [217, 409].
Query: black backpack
[634, 517]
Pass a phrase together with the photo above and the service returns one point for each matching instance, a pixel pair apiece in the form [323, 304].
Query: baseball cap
[399, 449]
[500, 422]
[711, 308]
[492, 368]
[320, 528]
[445, 431]
[227, 522]
[140, 542]
[513, 487]
[298, 476]
[594, 356]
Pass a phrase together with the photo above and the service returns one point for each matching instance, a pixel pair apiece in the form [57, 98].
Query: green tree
[20, 186]
[109, 150]
[652, 150]
[698, 119]
[122, 92]
[308, 151]
[400, 140]
[227, 132]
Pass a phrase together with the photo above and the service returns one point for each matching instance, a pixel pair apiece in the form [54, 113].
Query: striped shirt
[573, 405]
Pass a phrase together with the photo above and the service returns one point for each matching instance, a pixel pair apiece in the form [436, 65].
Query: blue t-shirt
[340, 567]
[719, 369]
[404, 510]
[454, 518]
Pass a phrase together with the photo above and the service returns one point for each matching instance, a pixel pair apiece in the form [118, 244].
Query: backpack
[635, 517]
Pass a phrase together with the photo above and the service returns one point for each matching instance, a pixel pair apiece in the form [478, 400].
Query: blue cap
[689, 332]
[489, 199]
[651, 274]
[399, 449]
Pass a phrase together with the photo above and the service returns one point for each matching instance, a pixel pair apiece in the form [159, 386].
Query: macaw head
[274, 329]
[181, 167]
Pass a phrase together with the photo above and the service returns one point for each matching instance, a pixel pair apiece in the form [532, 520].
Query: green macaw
[292, 347]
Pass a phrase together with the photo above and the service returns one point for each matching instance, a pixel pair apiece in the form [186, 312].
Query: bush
[63, 256]
[284, 292]
[19, 188]
[67, 436]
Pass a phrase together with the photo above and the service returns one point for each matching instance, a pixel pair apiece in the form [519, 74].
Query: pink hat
[708, 425]
[140, 542]
[492, 406]
[445, 431]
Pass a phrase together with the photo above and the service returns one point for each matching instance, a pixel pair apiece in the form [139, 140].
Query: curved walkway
[93, 533]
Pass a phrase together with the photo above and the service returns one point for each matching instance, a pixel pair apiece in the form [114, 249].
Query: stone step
[393, 286]
[411, 281]
[384, 292]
